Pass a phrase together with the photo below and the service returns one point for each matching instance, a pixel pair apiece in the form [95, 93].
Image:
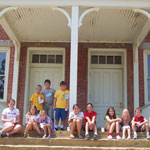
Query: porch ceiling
[105, 25]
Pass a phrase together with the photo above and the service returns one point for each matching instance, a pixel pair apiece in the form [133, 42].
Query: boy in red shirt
[139, 123]
[90, 121]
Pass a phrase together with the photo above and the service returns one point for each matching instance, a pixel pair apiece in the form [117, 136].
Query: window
[113, 60]
[3, 75]
[43, 58]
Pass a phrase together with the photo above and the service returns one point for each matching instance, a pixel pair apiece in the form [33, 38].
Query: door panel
[38, 76]
[106, 89]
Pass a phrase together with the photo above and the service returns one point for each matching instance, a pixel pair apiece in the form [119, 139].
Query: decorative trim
[87, 11]
[65, 13]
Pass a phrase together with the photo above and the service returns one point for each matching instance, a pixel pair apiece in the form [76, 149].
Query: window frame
[146, 52]
[7, 50]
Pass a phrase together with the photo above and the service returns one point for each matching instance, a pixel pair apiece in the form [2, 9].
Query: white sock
[147, 133]
[56, 126]
[61, 126]
[135, 133]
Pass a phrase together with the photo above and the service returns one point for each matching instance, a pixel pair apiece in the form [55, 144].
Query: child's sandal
[80, 137]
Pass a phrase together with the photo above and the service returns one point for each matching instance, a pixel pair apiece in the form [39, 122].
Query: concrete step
[74, 142]
[65, 133]
[39, 147]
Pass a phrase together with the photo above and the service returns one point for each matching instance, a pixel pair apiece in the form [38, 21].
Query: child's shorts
[60, 113]
[42, 127]
[139, 129]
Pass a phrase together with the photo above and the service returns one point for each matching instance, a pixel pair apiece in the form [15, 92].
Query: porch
[86, 25]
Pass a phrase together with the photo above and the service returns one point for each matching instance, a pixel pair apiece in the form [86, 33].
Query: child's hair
[43, 112]
[39, 86]
[29, 112]
[107, 113]
[47, 81]
[138, 109]
[11, 100]
[126, 110]
[75, 105]
[63, 83]
[89, 104]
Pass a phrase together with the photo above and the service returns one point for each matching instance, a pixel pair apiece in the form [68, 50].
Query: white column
[15, 75]
[74, 56]
[136, 75]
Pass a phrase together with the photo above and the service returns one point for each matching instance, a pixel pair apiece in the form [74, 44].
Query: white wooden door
[105, 90]
[38, 76]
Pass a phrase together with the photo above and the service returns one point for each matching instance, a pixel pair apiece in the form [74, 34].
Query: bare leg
[129, 133]
[56, 122]
[73, 126]
[7, 127]
[112, 127]
[45, 130]
[134, 128]
[123, 133]
[117, 127]
[35, 127]
[87, 128]
[16, 129]
[95, 129]
[28, 128]
[79, 125]
[49, 129]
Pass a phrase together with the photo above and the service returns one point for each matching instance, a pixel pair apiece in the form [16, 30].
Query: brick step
[143, 143]
[39, 147]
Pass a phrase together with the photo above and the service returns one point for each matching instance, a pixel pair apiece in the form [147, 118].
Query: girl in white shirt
[32, 121]
[10, 118]
[75, 120]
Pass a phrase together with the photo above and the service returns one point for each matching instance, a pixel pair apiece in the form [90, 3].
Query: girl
[125, 124]
[90, 121]
[32, 121]
[75, 120]
[112, 123]
[11, 119]
[46, 124]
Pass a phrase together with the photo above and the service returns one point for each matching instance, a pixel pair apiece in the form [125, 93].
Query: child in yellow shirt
[37, 99]
[61, 105]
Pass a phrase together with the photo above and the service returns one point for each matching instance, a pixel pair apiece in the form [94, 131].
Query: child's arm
[112, 120]
[145, 121]
[3, 119]
[18, 119]
[93, 119]
[88, 119]
[54, 104]
[68, 104]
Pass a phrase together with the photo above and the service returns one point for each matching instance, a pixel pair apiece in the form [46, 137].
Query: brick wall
[10, 73]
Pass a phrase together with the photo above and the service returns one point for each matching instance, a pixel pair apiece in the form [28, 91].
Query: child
[112, 123]
[90, 121]
[125, 124]
[61, 104]
[46, 124]
[32, 121]
[37, 99]
[75, 121]
[11, 119]
[48, 93]
[139, 123]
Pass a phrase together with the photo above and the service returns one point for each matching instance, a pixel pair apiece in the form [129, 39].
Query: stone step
[39, 147]
[74, 142]
[65, 133]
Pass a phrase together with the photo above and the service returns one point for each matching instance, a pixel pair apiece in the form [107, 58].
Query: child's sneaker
[62, 129]
[118, 137]
[49, 137]
[4, 135]
[95, 136]
[148, 137]
[123, 137]
[87, 136]
[135, 137]
[44, 136]
[109, 137]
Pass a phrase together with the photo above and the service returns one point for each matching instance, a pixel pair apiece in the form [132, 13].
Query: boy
[139, 123]
[37, 99]
[61, 104]
[48, 93]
